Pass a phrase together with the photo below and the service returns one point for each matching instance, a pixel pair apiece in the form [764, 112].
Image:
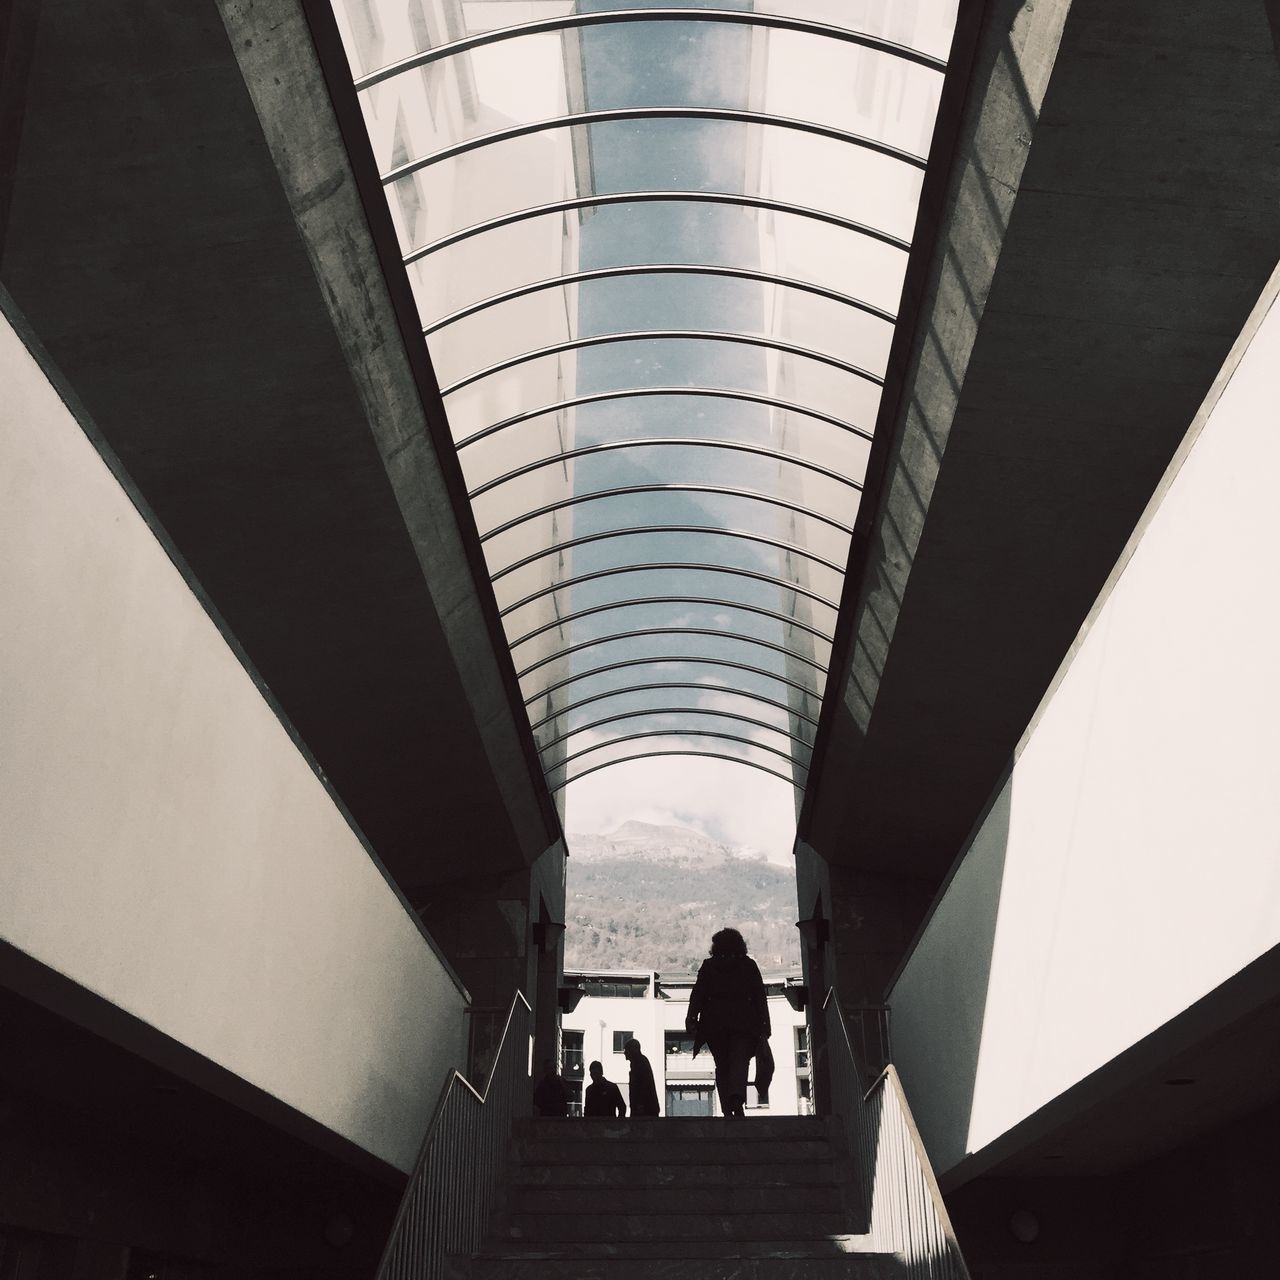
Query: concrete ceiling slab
[154, 248]
[1083, 296]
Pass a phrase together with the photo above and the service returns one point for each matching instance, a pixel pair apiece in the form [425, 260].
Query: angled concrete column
[485, 925]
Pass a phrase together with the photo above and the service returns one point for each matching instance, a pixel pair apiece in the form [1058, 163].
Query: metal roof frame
[653, 755]
[669, 566]
[657, 269]
[637, 632]
[577, 499]
[629, 393]
[662, 442]
[675, 711]
[677, 733]
[663, 335]
[728, 690]
[614, 115]
[602, 199]
[605, 535]
[573, 21]
[666, 660]
[713, 601]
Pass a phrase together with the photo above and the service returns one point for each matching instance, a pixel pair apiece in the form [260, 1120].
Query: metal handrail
[905, 1211]
[450, 1196]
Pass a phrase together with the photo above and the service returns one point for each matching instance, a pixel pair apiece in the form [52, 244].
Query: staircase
[762, 1198]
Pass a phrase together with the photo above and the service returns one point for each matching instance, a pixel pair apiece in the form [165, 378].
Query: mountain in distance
[650, 841]
[649, 896]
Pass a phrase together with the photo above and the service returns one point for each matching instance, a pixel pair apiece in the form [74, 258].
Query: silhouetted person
[764, 1070]
[644, 1093]
[551, 1097]
[728, 1013]
[603, 1097]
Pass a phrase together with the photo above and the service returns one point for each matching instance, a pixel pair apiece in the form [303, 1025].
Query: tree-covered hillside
[651, 897]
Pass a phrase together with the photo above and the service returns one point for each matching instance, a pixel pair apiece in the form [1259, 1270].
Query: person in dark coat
[728, 1012]
[603, 1097]
[644, 1093]
[551, 1097]
[764, 1070]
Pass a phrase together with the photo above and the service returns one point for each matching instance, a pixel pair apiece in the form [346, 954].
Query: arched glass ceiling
[657, 252]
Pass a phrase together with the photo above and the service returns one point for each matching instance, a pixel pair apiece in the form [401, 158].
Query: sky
[731, 803]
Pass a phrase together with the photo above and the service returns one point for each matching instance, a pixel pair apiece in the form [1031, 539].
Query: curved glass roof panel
[667, 170]
[689, 696]
[631, 548]
[918, 35]
[658, 253]
[766, 377]
[662, 301]
[686, 235]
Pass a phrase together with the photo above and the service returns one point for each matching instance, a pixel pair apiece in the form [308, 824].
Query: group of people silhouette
[728, 1014]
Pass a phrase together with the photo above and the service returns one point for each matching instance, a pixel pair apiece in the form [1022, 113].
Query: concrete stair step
[815, 1173]
[669, 1228]
[864, 1266]
[726, 1154]
[698, 1129]
[837, 1246]
[674, 1199]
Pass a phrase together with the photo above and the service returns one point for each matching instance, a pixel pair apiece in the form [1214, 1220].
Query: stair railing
[905, 1211]
[868, 1027]
[450, 1195]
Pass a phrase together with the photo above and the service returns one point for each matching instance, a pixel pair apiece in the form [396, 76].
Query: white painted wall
[163, 843]
[1135, 851]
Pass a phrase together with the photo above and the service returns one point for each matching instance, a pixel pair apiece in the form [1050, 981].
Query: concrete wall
[165, 844]
[1129, 864]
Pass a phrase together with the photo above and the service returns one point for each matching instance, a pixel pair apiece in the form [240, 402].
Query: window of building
[690, 1100]
[804, 1103]
[802, 1048]
[574, 1069]
[620, 1039]
[678, 1042]
[616, 988]
[804, 1093]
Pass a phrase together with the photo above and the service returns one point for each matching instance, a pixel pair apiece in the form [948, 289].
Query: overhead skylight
[658, 252]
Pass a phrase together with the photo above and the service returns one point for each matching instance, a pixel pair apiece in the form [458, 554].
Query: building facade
[618, 1005]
